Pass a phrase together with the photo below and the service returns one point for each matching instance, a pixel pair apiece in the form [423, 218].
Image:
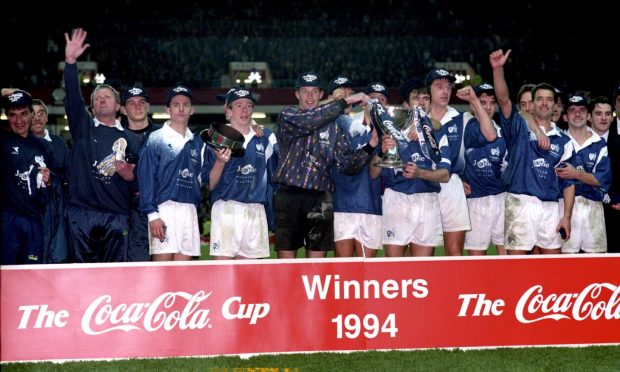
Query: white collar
[47, 135]
[117, 124]
[553, 131]
[592, 139]
[450, 113]
[169, 131]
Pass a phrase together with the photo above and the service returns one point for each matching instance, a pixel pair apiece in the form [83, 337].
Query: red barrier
[81, 311]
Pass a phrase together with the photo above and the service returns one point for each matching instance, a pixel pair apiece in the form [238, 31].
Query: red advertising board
[82, 311]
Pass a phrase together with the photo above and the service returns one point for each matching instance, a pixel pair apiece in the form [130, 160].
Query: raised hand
[498, 58]
[75, 45]
[467, 94]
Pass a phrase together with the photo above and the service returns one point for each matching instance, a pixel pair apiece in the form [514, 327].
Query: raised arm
[498, 60]
[486, 124]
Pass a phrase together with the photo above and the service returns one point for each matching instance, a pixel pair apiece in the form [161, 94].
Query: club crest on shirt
[554, 147]
[324, 137]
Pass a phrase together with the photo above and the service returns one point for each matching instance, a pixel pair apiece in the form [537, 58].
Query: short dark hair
[524, 88]
[38, 102]
[543, 86]
[600, 100]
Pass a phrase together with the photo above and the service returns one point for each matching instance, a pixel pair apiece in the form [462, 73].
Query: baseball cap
[575, 100]
[222, 97]
[134, 92]
[308, 79]
[179, 89]
[19, 98]
[484, 88]
[339, 82]
[235, 94]
[438, 73]
[408, 86]
[616, 93]
[377, 87]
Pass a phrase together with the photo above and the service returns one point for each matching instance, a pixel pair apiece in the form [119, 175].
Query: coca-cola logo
[165, 312]
[597, 300]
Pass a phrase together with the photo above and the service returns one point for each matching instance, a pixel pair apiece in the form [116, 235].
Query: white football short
[487, 222]
[531, 222]
[239, 229]
[182, 233]
[414, 218]
[365, 228]
[587, 227]
[454, 211]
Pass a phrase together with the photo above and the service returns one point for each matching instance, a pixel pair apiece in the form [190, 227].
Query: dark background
[160, 43]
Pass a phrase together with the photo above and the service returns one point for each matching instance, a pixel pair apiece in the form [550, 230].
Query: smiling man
[25, 175]
[533, 217]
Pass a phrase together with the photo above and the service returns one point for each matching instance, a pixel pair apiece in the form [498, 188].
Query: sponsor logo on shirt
[416, 157]
[185, 173]
[540, 162]
[247, 169]
[483, 163]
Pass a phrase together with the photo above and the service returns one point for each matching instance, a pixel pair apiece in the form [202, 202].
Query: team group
[129, 190]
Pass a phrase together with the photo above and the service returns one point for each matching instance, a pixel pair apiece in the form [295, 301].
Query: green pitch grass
[594, 358]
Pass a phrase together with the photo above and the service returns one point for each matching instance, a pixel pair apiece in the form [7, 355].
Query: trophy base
[390, 164]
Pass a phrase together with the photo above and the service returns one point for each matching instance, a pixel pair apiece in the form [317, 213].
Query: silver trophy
[391, 120]
[221, 136]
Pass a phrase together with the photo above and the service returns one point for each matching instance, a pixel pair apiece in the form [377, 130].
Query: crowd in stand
[377, 41]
